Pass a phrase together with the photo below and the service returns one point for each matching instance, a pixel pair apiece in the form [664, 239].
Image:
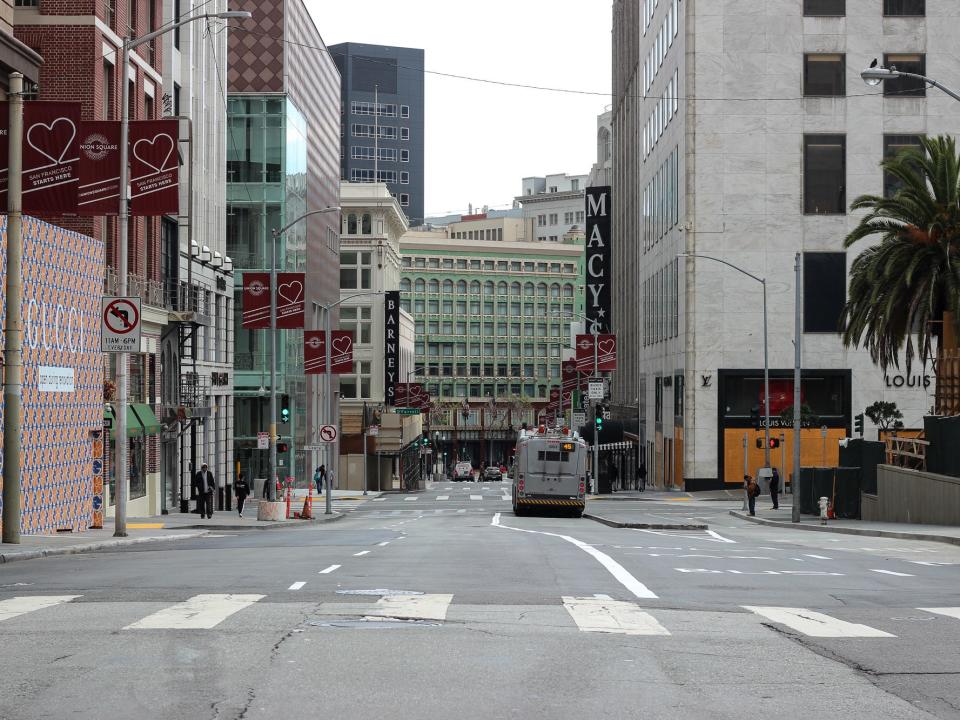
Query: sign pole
[334, 447]
[120, 465]
[596, 430]
[271, 491]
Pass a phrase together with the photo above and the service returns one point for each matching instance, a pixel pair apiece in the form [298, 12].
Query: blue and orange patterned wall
[61, 476]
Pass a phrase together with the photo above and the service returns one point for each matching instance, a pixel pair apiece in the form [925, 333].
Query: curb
[928, 537]
[266, 525]
[94, 547]
[645, 526]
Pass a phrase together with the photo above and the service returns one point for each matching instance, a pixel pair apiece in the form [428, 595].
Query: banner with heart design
[51, 158]
[154, 167]
[99, 190]
[314, 352]
[341, 351]
[256, 300]
[599, 350]
[291, 300]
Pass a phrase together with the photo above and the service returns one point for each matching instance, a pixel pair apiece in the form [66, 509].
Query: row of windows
[569, 218]
[838, 8]
[361, 152]
[463, 391]
[825, 75]
[491, 350]
[486, 265]
[578, 216]
[382, 109]
[384, 132]
[661, 304]
[487, 234]
[490, 328]
[662, 114]
[661, 201]
[825, 171]
[664, 41]
[383, 176]
[489, 370]
[434, 286]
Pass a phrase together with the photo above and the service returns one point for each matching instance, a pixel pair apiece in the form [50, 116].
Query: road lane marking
[953, 612]
[891, 572]
[814, 624]
[411, 497]
[461, 511]
[379, 499]
[443, 497]
[418, 607]
[611, 616]
[24, 604]
[719, 537]
[508, 498]
[296, 586]
[476, 497]
[327, 571]
[601, 596]
[384, 543]
[361, 553]
[613, 567]
[201, 612]
[817, 557]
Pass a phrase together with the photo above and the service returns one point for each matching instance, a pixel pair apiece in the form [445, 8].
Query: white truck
[549, 472]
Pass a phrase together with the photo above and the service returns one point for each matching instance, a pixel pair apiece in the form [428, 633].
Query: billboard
[597, 266]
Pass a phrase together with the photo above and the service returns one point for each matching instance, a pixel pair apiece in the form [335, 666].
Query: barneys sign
[598, 259]
[391, 345]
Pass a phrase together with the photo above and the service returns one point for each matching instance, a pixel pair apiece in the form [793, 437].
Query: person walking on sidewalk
[319, 475]
[642, 476]
[753, 490]
[775, 488]
[205, 485]
[242, 489]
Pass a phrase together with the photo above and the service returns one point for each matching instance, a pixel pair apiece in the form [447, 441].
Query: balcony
[189, 305]
[150, 292]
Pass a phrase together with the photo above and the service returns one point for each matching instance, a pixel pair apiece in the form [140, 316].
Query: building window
[903, 86]
[893, 144]
[824, 291]
[825, 8]
[358, 321]
[915, 8]
[404, 156]
[824, 75]
[27, 3]
[404, 200]
[404, 178]
[404, 133]
[109, 96]
[355, 271]
[357, 384]
[404, 111]
[554, 218]
[824, 174]
[541, 220]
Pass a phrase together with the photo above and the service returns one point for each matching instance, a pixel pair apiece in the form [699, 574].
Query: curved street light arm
[281, 231]
[931, 81]
[728, 264]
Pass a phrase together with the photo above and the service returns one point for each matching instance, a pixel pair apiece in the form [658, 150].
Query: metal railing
[150, 292]
[907, 452]
[194, 389]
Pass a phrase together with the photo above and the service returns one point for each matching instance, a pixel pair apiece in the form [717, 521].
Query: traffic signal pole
[596, 429]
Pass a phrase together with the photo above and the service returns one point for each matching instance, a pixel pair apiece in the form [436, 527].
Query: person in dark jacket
[753, 490]
[242, 489]
[775, 488]
[205, 485]
[642, 476]
[319, 475]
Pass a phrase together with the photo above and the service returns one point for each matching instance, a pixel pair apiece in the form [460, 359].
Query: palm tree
[909, 283]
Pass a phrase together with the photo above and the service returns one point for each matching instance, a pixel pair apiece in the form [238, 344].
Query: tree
[885, 415]
[909, 283]
[808, 418]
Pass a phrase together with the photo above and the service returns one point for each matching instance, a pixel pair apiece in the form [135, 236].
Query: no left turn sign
[120, 324]
[328, 433]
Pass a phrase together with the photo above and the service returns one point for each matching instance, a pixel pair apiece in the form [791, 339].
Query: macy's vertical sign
[598, 259]
[391, 344]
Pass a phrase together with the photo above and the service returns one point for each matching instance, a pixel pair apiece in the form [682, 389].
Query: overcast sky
[482, 139]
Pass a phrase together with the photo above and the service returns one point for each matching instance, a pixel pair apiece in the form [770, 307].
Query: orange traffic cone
[307, 512]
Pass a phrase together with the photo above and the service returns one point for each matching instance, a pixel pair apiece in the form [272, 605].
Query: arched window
[448, 286]
[501, 288]
[555, 290]
[568, 290]
[475, 287]
[542, 289]
[352, 224]
[528, 289]
[433, 286]
[419, 285]
[462, 287]
[488, 288]
[515, 288]
[405, 285]
[367, 228]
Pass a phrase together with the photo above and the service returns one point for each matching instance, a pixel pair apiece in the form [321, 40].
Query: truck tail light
[520, 485]
[582, 486]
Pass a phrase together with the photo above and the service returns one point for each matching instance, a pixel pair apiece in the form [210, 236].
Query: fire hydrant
[824, 507]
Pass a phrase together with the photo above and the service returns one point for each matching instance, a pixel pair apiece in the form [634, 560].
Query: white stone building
[553, 206]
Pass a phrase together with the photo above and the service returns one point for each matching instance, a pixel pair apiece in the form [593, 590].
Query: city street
[443, 604]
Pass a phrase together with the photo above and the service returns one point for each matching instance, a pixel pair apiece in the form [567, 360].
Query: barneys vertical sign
[391, 344]
[598, 259]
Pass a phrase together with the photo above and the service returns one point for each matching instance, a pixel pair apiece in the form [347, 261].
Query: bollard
[824, 504]
[288, 499]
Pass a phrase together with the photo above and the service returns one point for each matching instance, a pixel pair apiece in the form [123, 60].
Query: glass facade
[266, 187]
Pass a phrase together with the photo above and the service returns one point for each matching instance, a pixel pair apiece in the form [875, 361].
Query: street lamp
[876, 74]
[766, 364]
[120, 469]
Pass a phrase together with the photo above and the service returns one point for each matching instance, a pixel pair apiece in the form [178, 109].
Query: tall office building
[746, 135]
[382, 132]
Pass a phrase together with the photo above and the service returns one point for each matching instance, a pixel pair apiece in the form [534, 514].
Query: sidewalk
[168, 528]
[903, 531]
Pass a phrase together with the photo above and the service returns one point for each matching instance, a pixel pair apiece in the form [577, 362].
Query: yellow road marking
[145, 526]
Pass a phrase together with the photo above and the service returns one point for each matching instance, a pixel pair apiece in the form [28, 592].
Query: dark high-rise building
[394, 133]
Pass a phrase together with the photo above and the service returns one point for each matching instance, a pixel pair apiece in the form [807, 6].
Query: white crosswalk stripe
[408, 498]
[25, 604]
[476, 497]
[201, 612]
[953, 612]
[443, 497]
[814, 624]
[612, 616]
[419, 607]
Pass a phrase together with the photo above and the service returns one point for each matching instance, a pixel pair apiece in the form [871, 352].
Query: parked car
[492, 473]
[463, 471]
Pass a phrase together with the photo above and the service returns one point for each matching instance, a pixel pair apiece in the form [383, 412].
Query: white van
[463, 471]
[549, 472]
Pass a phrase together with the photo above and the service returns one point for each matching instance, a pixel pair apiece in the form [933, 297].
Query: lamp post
[876, 74]
[766, 363]
[129, 44]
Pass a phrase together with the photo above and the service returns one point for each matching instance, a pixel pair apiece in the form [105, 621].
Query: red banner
[570, 375]
[154, 167]
[290, 301]
[99, 192]
[411, 395]
[51, 160]
[256, 300]
[554, 398]
[605, 347]
[314, 352]
[341, 351]
[4, 153]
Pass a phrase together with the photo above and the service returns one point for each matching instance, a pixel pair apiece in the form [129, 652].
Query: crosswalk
[597, 614]
[443, 498]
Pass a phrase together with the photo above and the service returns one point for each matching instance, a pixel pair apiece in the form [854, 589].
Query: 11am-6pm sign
[120, 325]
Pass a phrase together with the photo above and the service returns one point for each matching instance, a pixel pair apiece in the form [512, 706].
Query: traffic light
[425, 440]
[282, 447]
[599, 418]
[858, 424]
[774, 443]
[755, 417]
[285, 409]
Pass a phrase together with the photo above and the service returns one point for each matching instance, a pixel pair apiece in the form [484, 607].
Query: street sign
[607, 414]
[263, 441]
[311, 448]
[408, 411]
[373, 430]
[579, 418]
[595, 389]
[120, 325]
[328, 434]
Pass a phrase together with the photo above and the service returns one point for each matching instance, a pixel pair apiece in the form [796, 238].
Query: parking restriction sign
[120, 325]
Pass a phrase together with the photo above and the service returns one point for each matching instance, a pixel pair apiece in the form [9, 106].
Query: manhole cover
[380, 592]
[375, 624]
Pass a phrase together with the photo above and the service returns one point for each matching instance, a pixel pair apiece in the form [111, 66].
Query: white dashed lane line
[383, 544]
[296, 586]
[361, 553]
[327, 571]
[891, 572]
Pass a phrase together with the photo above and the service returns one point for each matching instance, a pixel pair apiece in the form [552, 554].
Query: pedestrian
[775, 488]
[752, 490]
[242, 489]
[204, 484]
[318, 477]
[642, 476]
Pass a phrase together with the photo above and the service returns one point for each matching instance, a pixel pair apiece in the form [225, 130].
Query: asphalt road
[442, 604]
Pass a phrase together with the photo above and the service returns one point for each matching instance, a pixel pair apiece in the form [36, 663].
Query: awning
[146, 417]
[134, 426]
